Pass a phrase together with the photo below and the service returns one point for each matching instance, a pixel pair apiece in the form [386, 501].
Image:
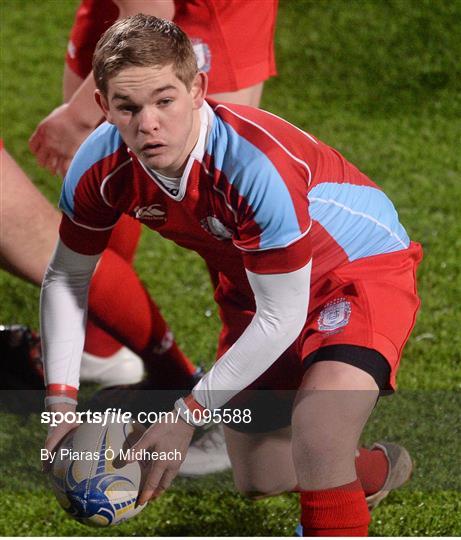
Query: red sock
[119, 303]
[372, 469]
[340, 511]
[124, 241]
[99, 342]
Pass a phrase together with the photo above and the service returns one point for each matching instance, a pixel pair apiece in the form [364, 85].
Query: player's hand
[57, 138]
[165, 436]
[57, 433]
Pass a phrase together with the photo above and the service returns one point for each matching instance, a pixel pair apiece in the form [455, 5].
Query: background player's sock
[98, 342]
[119, 304]
[123, 241]
[340, 511]
[124, 238]
[372, 468]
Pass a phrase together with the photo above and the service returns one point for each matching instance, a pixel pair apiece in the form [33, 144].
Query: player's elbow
[285, 326]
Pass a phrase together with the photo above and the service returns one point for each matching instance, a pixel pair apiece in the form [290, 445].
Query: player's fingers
[35, 141]
[51, 163]
[156, 471]
[41, 155]
[64, 166]
[147, 441]
[168, 476]
[57, 436]
[53, 440]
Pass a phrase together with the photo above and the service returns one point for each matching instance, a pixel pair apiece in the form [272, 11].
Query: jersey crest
[334, 315]
[215, 227]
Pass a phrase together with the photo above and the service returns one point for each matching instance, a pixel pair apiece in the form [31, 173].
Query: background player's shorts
[92, 19]
[361, 314]
[233, 39]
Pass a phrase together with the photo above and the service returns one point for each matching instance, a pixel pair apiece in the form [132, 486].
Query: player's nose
[148, 120]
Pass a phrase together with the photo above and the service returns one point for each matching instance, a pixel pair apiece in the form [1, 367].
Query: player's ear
[199, 88]
[101, 100]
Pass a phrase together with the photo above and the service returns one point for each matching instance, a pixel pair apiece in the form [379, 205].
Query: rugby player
[234, 43]
[237, 62]
[316, 276]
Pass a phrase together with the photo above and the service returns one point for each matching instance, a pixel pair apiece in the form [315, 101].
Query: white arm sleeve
[63, 306]
[282, 302]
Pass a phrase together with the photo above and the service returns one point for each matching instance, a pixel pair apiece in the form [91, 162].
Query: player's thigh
[245, 96]
[26, 244]
[262, 463]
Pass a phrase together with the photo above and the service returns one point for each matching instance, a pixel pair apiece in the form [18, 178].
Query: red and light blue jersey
[257, 193]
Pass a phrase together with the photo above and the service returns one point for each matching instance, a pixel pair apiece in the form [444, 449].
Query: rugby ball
[85, 481]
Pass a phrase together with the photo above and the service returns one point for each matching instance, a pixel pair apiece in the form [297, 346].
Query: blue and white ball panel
[352, 214]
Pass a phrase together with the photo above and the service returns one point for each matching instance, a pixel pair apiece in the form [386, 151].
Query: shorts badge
[202, 54]
[334, 315]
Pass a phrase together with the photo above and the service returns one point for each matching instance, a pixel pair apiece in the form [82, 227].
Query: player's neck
[177, 171]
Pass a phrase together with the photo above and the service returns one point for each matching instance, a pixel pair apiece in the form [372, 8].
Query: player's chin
[155, 161]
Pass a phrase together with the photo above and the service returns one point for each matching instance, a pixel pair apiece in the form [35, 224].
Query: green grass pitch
[381, 82]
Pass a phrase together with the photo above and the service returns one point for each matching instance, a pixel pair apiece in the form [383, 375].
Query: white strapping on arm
[282, 302]
[63, 308]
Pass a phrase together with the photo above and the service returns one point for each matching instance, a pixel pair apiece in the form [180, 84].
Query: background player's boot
[122, 367]
[20, 358]
[207, 454]
[399, 472]
[22, 387]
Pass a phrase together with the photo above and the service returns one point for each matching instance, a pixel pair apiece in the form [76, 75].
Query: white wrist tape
[52, 400]
[194, 416]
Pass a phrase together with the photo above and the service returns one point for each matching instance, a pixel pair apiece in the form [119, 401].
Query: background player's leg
[119, 303]
[331, 409]
[70, 83]
[28, 224]
[130, 314]
[262, 463]
[99, 344]
[246, 96]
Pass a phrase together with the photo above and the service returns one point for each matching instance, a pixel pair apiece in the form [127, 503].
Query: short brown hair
[145, 41]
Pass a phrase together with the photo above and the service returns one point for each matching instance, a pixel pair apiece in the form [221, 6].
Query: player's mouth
[152, 147]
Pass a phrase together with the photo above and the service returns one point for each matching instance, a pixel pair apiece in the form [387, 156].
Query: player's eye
[132, 109]
[164, 102]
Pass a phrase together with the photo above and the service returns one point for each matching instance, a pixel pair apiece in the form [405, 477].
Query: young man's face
[156, 114]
